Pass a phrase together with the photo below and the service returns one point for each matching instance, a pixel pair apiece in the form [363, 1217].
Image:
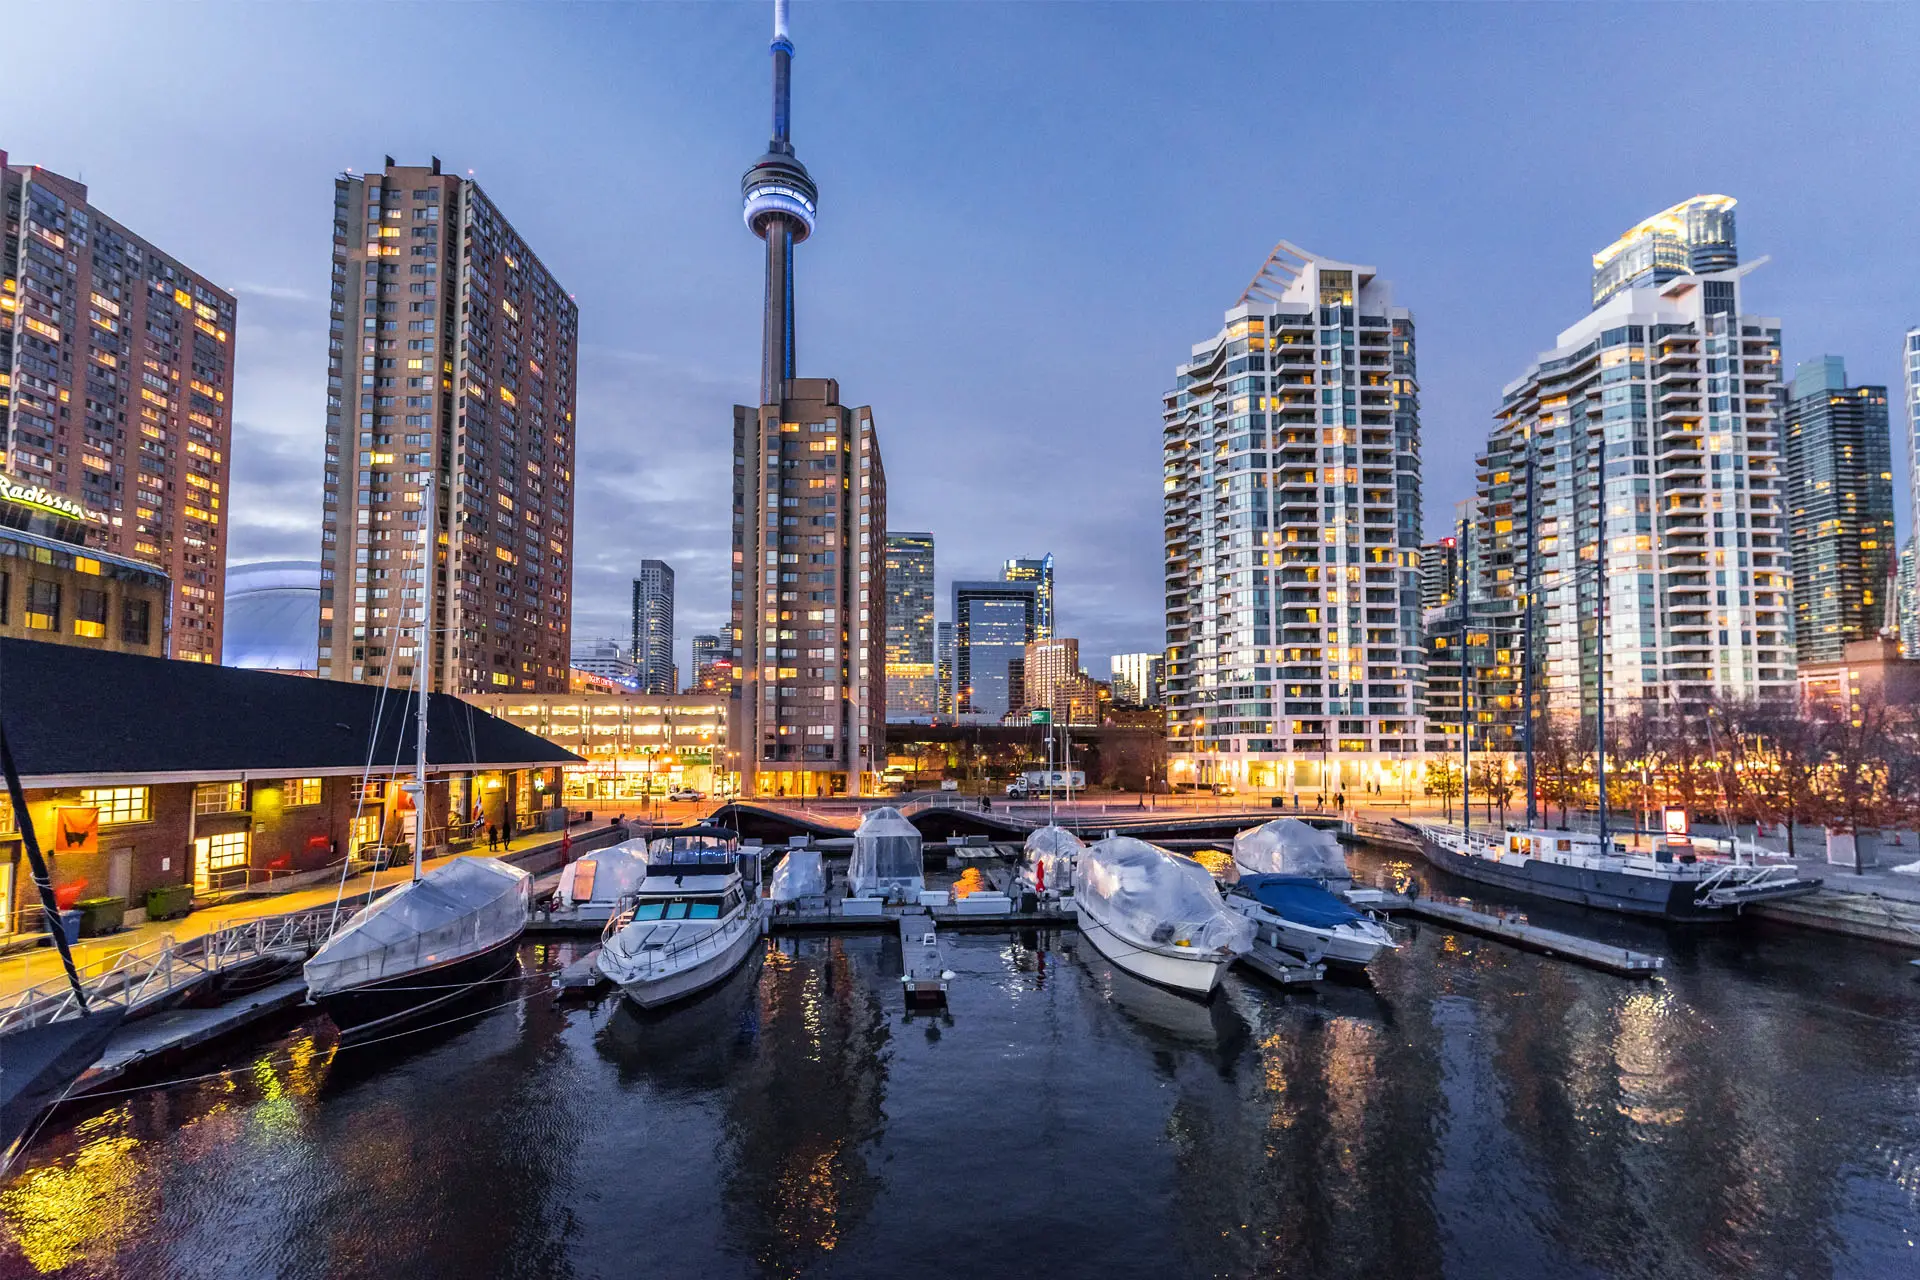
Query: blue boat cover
[1299, 899]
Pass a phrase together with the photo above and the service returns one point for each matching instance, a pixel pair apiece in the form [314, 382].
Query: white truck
[1041, 782]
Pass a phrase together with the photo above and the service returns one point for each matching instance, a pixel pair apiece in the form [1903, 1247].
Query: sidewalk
[42, 964]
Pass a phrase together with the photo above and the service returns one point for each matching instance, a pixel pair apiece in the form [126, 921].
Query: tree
[1443, 780]
[1561, 765]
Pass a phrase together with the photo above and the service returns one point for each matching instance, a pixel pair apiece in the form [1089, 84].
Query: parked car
[949, 784]
[685, 793]
[1225, 789]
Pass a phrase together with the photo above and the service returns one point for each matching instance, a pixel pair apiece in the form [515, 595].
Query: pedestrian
[493, 836]
[1319, 801]
[1296, 800]
[506, 829]
[1339, 801]
[566, 847]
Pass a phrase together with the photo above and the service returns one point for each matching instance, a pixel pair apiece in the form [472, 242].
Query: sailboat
[425, 943]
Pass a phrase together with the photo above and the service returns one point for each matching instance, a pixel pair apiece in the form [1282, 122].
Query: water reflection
[1476, 1112]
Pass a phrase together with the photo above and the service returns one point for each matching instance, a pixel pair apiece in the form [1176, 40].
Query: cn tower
[779, 197]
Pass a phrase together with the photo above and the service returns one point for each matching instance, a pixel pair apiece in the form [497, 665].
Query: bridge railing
[148, 973]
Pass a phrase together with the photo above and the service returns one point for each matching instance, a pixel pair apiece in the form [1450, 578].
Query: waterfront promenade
[33, 965]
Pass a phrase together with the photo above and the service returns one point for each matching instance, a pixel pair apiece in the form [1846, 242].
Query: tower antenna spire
[779, 195]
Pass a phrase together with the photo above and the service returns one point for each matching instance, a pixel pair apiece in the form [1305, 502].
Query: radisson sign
[34, 496]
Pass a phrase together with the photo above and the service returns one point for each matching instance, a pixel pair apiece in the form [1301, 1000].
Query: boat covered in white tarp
[886, 861]
[1046, 865]
[421, 943]
[592, 885]
[1290, 847]
[801, 874]
[1156, 914]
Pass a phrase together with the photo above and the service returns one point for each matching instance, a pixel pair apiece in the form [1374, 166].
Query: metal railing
[151, 972]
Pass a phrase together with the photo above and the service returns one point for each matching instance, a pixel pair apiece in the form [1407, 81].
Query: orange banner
[76, 831]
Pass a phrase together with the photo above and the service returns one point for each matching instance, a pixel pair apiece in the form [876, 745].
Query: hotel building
[450, 425]
[116, 382]
[1292, 459]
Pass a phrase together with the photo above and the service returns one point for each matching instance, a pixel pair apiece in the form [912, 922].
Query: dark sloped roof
[70, 710]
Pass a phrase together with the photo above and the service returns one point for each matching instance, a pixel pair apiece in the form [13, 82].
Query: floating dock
[582, 976]
[1564, 946]
[1282, 967]
[158, 1037]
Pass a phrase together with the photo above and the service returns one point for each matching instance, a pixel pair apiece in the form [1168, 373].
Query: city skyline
[661, 338]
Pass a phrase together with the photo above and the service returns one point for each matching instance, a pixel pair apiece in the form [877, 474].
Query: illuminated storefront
[635, 745]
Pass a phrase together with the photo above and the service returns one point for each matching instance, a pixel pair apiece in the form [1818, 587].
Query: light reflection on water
[1477, 1111]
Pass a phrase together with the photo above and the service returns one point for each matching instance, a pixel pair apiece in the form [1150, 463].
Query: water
[1480, 1112]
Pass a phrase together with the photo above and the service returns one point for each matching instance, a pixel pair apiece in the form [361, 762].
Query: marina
[1475, 1110]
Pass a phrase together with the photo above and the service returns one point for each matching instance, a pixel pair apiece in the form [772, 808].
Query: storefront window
[117, 804]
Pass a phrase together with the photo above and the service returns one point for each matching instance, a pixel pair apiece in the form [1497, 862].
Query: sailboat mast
[1466, 683]
[1526, 639]
[1600, 642]
[422, 659]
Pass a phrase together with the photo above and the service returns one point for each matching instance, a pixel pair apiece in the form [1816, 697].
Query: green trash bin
[101, 916]
[169, 901]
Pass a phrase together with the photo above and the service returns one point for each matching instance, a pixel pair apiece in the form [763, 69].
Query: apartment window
[117, 805]
[299, 791]
[43, 605]
[219, 797]
[136, 618]
[90, 617]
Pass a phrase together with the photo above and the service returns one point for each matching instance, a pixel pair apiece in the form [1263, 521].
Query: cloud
[275, 292]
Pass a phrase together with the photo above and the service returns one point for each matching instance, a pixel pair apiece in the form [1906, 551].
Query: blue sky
[1029, 212]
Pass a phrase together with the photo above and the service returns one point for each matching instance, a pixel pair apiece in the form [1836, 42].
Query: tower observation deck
[779, 198]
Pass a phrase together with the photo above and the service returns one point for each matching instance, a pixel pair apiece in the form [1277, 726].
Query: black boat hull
[392, 1003]
[1616, 891]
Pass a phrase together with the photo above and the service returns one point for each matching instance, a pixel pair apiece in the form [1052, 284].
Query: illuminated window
[299, 791]
[118, 805]
[219, 797]
[43, 605]
[225, 852]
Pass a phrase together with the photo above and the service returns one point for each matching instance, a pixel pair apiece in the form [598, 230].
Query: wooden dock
[1565, 946]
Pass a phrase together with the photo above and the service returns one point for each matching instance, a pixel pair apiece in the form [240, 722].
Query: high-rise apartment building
[1136, 677]
[943, 668]
[1040, 573]
[1839, 492]
[1292, 459]
[1651, 435]
[653, 626]
[1439, 573]
[604, 658]
[1047, 668]
[993, 623]
[1693, 237]
[1909, 589]
[712, 665]
[450, 430]
[809, 520]
[116, 386]
[910, 660]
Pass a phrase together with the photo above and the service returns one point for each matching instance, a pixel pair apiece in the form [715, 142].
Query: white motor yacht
[693, 920]
[1157, 915]
[1294, 914]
